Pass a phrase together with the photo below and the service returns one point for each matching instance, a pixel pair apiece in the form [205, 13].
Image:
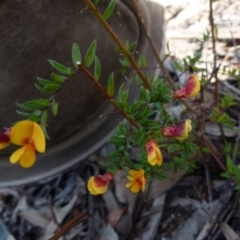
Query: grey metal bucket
[33, 31]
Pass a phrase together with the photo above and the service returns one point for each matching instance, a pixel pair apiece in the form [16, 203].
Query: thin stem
[119, 43]
[105, 93]
[69, 225]
[214, 51]
[212, 148]
[157, 55]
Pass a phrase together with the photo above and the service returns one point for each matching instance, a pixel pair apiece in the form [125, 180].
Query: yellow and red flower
[99, 184]
[137, 180]
[153, 153]
[179, 131]
[5, 138]
[29, 135]
[191, 88]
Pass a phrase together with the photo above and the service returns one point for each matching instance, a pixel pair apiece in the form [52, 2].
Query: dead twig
[69, 225]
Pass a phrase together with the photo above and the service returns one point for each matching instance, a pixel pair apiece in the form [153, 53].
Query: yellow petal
[4, 145]
[15, 157]
[38, 138]
[128, 185]
[135, 187]
[136, 174]
[21, 132]
[100, 190]
[192, 86]
[143, 183]
[159, 157]
[28, 157]
[130, 178]
[90, 186]
[152, 160]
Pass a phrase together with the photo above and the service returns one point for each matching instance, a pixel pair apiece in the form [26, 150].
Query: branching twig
[119, 43]
[105, 93]
[214, 51]
[157, 55]
[69, 225]
[212, 148]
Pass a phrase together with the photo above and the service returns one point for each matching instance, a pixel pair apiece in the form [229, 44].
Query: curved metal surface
[40, 30]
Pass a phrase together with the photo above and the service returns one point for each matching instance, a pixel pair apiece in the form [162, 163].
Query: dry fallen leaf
[124, 195]
[160, 186]
[108, 233]
[114, 216]
[228, 232]
[60, 214]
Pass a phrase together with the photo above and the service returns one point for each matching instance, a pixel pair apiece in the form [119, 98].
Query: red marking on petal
[4, 137]
[107, 177]
[99, 181]
[180, 93]
[169, 131]
[149, 146]
[179, 130]
[190, 85]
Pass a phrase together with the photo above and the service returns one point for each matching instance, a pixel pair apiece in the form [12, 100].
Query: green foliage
[97, 69]
[109, 11]
[76, 54]
[90, 55]
[61, 68]
[111, 85]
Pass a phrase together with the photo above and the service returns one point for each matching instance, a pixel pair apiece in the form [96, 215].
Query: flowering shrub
[154, 136]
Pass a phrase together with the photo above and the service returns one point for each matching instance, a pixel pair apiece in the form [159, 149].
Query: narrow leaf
[43, 81]
[111, 85]
[97, 69]
[58, 79]
[108, 12]
[55, 108]
[23, 114]
[90, 55]
[44, 131]
[76, 54]
[43, 90]
[52, 86]
[44, 117]
[61, 68]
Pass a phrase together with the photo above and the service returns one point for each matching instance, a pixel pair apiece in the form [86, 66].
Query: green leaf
[229, 165]
[128, 161]
[142, 61]
[34, 104]
[76, 54]
[178, 66]
[43, 127]
[58, 79]
[108, 12]
[23, 114]
[111, 85]
[90, 55]
[43, 81]
[55, 108]
[44, 117]
[34, 118]
[97, 69]
[61, 68]
[43, 90]
[53, 86]
[226, 175]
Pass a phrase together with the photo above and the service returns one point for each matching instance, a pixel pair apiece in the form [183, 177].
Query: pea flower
[153, 153]
[29, 135]
[99, 184]
[5, 138]
[179, 131]
[191, 88]
[137, 180]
